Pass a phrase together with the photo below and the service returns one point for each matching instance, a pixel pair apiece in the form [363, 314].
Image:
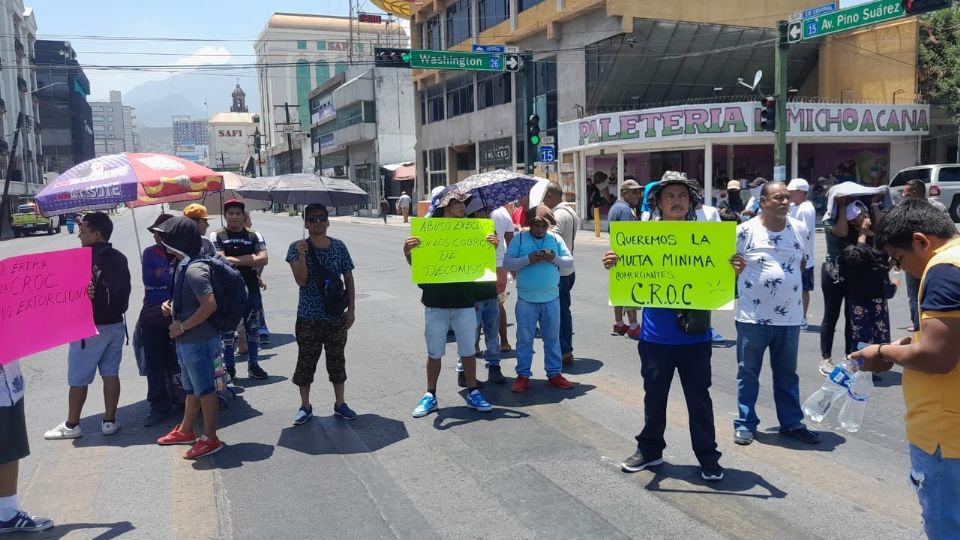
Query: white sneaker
[826, 366]
[109, 428]
[716, 337]
[63, 432]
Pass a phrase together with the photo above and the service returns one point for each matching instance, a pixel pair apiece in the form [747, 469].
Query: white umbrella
[214, 201]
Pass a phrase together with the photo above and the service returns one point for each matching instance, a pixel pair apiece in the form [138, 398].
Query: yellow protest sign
[673, 264]
[453, 250]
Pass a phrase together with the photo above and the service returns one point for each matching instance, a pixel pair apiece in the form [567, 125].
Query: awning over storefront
[402, 171]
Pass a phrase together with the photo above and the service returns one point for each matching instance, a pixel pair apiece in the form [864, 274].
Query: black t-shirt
[448, 295]
[236, 244]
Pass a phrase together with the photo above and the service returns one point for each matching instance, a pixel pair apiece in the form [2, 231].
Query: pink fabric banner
[43, 302]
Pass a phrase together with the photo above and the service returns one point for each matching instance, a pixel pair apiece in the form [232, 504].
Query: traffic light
[768, 116]
[533, 130]
[391, 58]
[916, 7]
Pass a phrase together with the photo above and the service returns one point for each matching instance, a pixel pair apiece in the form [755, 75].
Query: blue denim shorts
[463, 321]
[100, 352]
[196, 366]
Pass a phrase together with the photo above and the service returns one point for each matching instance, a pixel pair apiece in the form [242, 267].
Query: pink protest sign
[43, 302]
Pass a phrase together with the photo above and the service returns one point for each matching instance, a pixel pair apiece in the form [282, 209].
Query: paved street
[542, 465]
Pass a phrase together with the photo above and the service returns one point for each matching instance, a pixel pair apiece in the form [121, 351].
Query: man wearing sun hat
[198, 213]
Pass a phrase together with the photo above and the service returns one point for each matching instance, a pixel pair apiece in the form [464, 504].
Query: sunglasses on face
[317, 219]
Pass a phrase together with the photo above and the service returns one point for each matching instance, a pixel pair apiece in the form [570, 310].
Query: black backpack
[229, 289]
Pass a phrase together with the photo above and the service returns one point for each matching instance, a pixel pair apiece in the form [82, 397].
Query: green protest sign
[453, 250]
[673, 264]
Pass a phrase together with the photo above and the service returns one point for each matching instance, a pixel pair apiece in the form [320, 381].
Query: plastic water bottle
[851, 415]
[834, 387]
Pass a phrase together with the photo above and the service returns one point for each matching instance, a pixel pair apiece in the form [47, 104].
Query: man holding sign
[673, 339]
[442, 258]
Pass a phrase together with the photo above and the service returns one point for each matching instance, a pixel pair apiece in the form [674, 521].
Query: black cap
[160, 219]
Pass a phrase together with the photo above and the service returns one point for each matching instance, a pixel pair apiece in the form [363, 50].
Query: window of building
[323, 72]
[321, 45]
[458, 22]
[430, 34]
[109, 119]
[433, 105]
[493, 89]
[492, 12]
[108, 108]
[459, 94]
[110, 127]
[526, 4]
[437, 168]
[545, 72]
[96, 108]
[302, 44]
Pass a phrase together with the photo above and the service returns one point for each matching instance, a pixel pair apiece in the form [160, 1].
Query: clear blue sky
[200, 19]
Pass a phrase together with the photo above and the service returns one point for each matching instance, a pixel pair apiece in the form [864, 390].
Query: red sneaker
[203, 447]
[520, 384]
[620, 329]
[559, 381]
[634, 333]
[177, 437]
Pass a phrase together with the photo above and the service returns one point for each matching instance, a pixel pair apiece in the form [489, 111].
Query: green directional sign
[457, 60]
[855, 17]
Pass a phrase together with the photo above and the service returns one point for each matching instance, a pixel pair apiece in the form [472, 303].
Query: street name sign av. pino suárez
[855, 17]
[457, 60]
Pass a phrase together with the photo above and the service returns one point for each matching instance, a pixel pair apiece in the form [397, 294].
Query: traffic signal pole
[529, 109]
[780, 89]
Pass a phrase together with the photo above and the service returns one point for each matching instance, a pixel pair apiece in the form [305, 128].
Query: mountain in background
[157, 101]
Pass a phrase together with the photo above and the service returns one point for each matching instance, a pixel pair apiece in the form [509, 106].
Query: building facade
[64, 112]
[362, 127]
[597, 62]
[296, 53]
[114, 126]
[191, 139]
[18, 94]
[231, 141]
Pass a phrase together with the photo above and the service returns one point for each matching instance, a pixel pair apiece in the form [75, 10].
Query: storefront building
[716, 142]
[646, 80]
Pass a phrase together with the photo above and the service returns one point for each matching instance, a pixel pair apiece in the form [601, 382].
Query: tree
[939, 59]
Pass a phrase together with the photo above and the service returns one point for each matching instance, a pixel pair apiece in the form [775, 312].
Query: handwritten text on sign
[43, 302]
[673, 264]
[453, 250]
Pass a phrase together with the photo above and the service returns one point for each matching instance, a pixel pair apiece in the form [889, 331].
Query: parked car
[943, 184]
[28, 219]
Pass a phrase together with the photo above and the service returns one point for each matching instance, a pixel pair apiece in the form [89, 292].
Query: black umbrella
[304, 188]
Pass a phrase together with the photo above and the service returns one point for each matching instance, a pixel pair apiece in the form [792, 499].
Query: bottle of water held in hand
[834, 387]
[851, 415]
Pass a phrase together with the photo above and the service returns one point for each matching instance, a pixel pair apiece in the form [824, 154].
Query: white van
[943, 184]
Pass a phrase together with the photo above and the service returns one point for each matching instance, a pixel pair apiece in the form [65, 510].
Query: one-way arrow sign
[794, 31]
[512, 62]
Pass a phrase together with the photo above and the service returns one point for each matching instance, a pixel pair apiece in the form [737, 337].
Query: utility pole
[288, 130]
[781, 56]
[529, 109]
[223, 161]
[6, 181]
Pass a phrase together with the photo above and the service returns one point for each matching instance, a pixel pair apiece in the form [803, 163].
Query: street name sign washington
[855, 17]
[457, 60]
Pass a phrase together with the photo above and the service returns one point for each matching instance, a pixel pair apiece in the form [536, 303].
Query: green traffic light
[534, 139]
[406, 57]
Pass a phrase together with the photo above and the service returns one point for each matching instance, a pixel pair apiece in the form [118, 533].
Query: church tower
[239, 100]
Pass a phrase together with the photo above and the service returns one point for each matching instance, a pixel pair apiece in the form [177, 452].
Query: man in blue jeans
[537, 256]
[769, 263]
[198, 342]
[567, 223]
[243, 249]
[924, 242]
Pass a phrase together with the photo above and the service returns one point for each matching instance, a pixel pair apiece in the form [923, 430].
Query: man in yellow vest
[924, 242]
